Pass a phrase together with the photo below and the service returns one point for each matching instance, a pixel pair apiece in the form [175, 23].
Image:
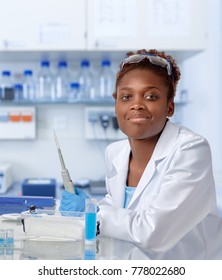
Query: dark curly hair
[171, 80]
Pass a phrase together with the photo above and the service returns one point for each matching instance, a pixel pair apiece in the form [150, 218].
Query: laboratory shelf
[62, 102]
[110, 101]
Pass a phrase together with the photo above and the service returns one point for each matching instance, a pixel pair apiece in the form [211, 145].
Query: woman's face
[142, 106]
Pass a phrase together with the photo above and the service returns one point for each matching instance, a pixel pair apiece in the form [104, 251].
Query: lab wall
[202, 78]
[39, 158]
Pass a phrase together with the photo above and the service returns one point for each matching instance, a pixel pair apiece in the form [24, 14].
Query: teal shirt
[129, 191]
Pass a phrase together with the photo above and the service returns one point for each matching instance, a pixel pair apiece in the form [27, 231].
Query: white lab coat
[173, 197]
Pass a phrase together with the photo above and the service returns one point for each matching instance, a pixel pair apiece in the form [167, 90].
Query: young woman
[159, 181]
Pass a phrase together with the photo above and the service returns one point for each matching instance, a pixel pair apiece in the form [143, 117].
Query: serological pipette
[68, 184]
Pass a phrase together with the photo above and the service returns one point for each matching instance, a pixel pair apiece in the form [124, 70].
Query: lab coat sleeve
[186, 196]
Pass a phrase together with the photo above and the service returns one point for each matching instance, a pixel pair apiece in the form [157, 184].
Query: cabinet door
[42, 25]
[136, 24]
[113, 25]
[176, 24]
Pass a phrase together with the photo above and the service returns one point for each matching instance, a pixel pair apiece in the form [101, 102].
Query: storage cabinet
[42, 25]
[175, 25]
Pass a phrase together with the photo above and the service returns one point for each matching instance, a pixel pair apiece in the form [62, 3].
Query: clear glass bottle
[74, 92]
[6, 86]
[46, 89]
[29, 86]
[85, 79]
[62, 81]
[106, 80]
[18, 92]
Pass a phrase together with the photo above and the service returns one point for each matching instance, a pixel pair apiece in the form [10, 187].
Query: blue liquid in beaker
[90, 227]
[2, 242]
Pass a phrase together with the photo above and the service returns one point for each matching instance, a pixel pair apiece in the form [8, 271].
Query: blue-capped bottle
[106, 80]
[46, 89]
[74, 92]
[62, 81]
[18, 92]
[29, 86]
[85, 79]
[6, 86]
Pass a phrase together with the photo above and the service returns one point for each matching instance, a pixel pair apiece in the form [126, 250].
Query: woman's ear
[114, 95]
[170, 110]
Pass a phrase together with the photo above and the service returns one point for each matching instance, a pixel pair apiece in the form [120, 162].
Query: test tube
[9, 241]
[2, 237]
[90, 220]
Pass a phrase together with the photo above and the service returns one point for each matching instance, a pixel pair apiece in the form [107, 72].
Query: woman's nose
[137, 105]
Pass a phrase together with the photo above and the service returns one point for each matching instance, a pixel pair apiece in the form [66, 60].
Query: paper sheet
[169, 18]
[115, 18]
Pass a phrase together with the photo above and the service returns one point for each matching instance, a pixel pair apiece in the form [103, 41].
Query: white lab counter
[27, 248]
[105, 249]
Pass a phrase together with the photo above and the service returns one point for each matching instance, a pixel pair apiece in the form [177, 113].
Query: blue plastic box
[39, 187]
[18, 204]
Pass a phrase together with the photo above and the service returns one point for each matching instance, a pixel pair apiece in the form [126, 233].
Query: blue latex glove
[73, 202]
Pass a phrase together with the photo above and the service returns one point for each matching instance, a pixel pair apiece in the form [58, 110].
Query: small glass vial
[90, 220]
[2, 238]
[9, 240]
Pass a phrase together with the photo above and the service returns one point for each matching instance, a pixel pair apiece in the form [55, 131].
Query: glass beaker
[90, 220]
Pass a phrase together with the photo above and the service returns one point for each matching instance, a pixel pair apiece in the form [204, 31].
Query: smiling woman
[160, 185]
[142, 106]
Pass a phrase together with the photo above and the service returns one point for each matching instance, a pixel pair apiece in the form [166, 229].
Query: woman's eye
[151, 97]
[125, 97]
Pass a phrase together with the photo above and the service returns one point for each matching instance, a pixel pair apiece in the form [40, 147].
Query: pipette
[68, 184]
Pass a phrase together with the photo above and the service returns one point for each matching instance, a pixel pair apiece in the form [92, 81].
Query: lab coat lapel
[118, 182]
[117, 187]
[160, 152]
[145, 179]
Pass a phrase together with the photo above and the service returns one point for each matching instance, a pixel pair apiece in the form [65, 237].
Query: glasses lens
[161, 62]
[156, 60]
[134, 58]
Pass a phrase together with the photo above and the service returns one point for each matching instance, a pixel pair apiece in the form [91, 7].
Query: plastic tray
[52, 224]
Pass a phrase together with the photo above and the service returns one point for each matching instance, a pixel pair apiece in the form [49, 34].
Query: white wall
[38, 158]
[202, 78]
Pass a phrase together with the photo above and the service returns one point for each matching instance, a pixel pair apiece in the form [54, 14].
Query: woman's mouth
[138, 118]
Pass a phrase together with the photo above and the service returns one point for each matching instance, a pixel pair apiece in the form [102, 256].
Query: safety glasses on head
[154, 59]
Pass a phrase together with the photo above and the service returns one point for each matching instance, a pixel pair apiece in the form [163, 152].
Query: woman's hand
[73, 202]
